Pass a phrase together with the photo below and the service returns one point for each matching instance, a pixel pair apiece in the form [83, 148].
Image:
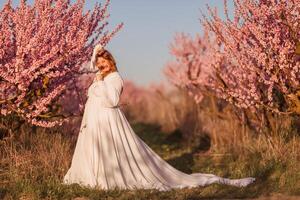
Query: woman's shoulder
[113, 75]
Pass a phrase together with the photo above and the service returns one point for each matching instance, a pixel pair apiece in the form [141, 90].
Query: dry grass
[33, 164]
[34, 156]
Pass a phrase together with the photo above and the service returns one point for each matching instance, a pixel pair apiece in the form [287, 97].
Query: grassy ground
[35, 178]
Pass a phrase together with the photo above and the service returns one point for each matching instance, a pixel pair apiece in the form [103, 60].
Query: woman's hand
[98, 48]
[99, 76]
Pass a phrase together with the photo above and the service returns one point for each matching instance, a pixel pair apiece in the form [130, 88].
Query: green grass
[272, 176]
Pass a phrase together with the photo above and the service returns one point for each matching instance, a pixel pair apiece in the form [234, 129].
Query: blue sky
[141, 48]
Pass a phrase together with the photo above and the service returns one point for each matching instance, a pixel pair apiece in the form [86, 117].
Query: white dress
[108, 154]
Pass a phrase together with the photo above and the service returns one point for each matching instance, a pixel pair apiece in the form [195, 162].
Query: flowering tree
[76, 95]
[261, 45]
[41, 50]
[192, 68]
[202, 72]
[252, 62]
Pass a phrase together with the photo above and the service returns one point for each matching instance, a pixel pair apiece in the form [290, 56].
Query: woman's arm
[109, 90]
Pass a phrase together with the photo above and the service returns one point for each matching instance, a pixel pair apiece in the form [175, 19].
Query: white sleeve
[109, 90]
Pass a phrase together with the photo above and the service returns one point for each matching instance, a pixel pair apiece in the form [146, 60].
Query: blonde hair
[108, 56]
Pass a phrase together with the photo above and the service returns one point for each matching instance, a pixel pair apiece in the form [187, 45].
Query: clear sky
[141, 48]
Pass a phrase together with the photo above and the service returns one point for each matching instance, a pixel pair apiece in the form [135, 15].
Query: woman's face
[103, 64]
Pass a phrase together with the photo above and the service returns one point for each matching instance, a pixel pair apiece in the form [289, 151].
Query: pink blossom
[42, 48]
[248, 61]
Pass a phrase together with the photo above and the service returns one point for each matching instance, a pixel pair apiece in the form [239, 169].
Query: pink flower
[40, 64]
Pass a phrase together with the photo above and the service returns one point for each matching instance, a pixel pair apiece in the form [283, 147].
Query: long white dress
[108, 154]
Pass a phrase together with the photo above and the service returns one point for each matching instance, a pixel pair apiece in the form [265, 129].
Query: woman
[108, 154]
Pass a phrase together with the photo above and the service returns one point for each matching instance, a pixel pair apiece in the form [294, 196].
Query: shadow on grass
[163, 143]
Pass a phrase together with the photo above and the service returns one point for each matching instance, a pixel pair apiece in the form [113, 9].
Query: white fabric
[109, 154]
